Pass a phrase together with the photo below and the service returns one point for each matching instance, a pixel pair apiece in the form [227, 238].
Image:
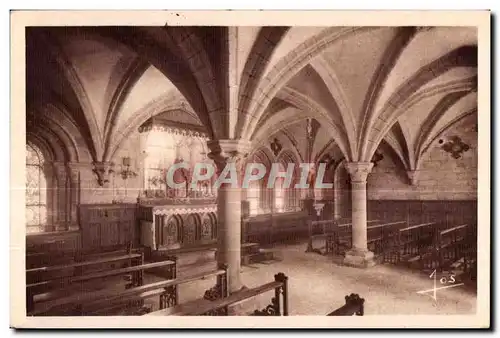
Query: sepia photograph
[258, 164]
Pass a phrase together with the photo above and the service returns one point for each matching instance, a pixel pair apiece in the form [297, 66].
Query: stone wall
[440, 175]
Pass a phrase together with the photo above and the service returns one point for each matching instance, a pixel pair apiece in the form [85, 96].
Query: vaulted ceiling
[90, 87]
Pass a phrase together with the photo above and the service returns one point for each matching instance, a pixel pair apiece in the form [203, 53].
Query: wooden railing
[47, 278]
[219, 306]
[46, 307]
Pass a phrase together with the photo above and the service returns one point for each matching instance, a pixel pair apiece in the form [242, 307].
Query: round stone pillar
[228, 155]
[359, 255]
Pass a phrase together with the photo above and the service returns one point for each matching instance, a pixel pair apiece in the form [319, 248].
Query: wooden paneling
[281, 227]
[415, 211]
[106, 225]
[53, 242]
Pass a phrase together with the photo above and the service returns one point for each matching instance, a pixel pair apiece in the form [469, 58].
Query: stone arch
[371, 144]
[390, 58]
[171, 101]
[73, 79]
[438, 133]
[263, 47]
[286, 68]
[125, 84]
[48, 143]
[66, 130]
[160, 49]
[320, 114]
[437, 112]
[378, 123]
[200, 65]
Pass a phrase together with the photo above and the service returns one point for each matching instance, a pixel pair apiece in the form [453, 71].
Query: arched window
[36, 191]
[253, 197]
[279, 195]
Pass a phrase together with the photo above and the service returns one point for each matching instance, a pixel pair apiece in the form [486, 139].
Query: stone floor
[317, 286]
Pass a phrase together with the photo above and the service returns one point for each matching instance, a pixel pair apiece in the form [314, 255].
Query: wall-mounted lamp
[126, 172]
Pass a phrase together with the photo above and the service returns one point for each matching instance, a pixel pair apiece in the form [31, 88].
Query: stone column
[337, 192]
[62, 198]
[229, 153]
[359, 255]
[74, 193]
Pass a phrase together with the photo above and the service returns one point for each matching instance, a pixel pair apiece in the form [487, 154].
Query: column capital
[228, 151]
[358, 170]
[103, 170]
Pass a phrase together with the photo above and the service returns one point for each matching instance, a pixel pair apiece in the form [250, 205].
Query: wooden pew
[450, 246]
[38, 259]
[43, 279]
[410, 242]
[319, 229]
[379, 235]
[93, 303]
[219, 306]
[137, 272]
[354, 306]
[337, 236]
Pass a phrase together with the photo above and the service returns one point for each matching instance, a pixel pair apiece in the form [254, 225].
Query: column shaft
[229, 154]
[359, 216]
[359, 255]
[229, 234]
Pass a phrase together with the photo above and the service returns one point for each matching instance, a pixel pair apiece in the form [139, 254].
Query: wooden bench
[137, 272]
[219, 306]
[407, 244]
[450, 246]
[45, 278]
[354, 306]
[104, 301]
[379, 235]
[337, 236]
[325, 226]
[38, 259]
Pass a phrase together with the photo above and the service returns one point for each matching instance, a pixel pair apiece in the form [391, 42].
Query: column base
[359, 258]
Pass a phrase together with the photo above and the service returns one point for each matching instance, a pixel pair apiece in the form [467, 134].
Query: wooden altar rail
[92, 303]
[220, 306]
[354, 306]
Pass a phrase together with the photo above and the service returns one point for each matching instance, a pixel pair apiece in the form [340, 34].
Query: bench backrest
[104, 296]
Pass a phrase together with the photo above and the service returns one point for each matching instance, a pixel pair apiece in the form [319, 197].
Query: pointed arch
[379, 123]
[286, 68]
[133, 73]
[389, 59]
[72, 77]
